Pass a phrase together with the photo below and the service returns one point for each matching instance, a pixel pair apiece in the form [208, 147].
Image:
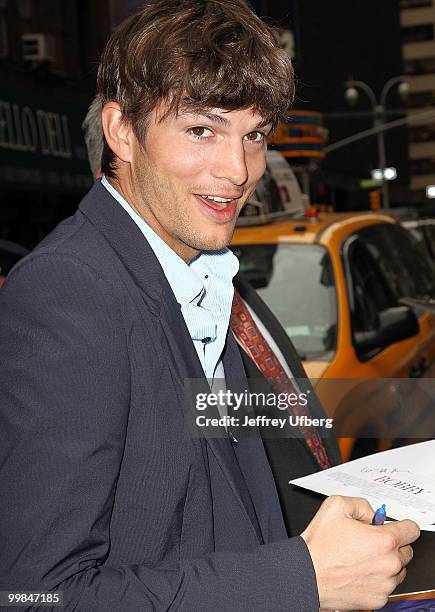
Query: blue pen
[379, 516]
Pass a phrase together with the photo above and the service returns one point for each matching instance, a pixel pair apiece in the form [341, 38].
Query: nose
[230, 163]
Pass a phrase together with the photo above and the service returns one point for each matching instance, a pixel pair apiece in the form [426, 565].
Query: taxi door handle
[424, 364]
[418, 370]
[415, 372]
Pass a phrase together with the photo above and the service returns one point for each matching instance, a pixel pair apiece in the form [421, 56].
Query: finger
[400, 577]
[405, 531]
[358, 508]
[406, 553]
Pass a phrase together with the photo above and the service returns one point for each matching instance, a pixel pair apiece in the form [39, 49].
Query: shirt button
[233, 438]
[206, 340]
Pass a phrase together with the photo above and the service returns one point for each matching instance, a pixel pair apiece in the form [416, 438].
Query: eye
[199, 132]
[256, 137]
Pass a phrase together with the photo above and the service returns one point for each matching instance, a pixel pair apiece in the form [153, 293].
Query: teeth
[215, 198]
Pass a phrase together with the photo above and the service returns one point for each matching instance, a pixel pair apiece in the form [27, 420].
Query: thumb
[358, 508]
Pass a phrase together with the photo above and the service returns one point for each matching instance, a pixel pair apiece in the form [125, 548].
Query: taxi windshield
[296, 281]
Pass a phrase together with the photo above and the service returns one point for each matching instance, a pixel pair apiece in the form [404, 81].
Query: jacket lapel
[129, 244]
[135, 254]
[184, 359]
[252, 457]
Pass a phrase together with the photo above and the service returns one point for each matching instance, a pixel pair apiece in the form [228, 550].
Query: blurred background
[362, 66]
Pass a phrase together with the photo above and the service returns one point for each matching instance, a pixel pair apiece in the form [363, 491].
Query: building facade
[417, 18]
[49, 51]
[334, 41]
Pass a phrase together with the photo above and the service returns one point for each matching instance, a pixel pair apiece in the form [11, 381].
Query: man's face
[194, 174]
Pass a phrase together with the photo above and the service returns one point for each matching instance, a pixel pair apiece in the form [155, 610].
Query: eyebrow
[223, 120]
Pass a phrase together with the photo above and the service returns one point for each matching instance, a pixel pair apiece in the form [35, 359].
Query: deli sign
[41, 142]
[34, 130]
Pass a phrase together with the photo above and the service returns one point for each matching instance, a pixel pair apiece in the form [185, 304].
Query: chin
[215, 243]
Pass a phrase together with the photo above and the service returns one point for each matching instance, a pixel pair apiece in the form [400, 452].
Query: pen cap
[379, 516]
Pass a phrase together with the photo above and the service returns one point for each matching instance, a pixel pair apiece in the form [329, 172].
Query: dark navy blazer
[102, 493]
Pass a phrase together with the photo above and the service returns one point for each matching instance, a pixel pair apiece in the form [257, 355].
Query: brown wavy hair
[196, 55]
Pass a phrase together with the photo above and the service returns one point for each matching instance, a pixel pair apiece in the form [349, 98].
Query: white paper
[402, 478]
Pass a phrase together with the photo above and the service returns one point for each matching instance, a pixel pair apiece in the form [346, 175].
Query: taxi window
[409, 272]
[297, 283]
[369, 291]
[429, 232]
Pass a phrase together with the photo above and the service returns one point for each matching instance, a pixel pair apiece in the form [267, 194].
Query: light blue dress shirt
[203, 288]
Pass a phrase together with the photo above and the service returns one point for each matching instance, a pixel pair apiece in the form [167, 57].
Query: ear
[118, 133]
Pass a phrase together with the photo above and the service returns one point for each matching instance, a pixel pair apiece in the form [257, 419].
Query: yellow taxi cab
[335, 282]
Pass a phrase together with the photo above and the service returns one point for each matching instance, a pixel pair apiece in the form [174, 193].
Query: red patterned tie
[254, 343]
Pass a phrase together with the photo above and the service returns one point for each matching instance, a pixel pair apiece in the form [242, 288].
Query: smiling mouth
[216, 202]
[221, 210]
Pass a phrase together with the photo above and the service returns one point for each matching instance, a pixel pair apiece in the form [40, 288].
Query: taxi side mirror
[395, 324]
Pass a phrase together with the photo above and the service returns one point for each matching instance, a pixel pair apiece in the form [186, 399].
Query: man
[289, 456]
[104, 496]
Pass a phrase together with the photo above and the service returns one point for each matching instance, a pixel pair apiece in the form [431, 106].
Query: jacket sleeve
[64, 401]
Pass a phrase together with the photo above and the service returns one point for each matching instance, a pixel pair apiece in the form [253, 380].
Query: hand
[357, 565]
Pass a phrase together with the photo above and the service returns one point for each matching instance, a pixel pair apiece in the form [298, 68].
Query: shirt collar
[221, 264]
